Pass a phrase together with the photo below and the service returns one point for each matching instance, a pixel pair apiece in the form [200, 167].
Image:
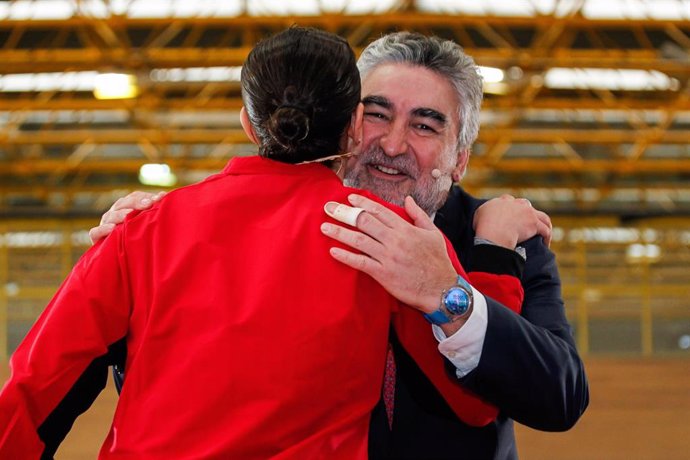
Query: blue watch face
[456, 301]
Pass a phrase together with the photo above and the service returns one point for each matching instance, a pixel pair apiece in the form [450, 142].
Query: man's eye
[378, 115]
[423, 127]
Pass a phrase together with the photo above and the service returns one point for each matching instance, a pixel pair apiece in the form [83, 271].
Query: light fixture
[115, 86]
[609, 79]
[491, 74]
[157, 175]
[11, 289]
[197, 74]
[48, 81]
[643, 253]
[493, 80]
[684, 342]
[590, 9]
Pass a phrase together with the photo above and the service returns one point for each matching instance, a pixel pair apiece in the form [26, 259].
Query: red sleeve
[415, 336]
[505, 289]
[89, 311]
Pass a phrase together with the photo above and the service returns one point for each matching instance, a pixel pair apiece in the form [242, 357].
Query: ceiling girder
[645, 145]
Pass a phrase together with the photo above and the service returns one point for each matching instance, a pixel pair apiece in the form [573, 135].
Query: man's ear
[461, 165]
[354, 132]
[247, 126]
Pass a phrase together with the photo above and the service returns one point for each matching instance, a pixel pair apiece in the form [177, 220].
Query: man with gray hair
[422, 97]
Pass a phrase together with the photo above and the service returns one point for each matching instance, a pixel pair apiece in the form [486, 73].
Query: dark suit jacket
[529, 367]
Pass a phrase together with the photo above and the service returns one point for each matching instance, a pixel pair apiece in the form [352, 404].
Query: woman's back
[245, 339]
[285, 346]
[281, 346]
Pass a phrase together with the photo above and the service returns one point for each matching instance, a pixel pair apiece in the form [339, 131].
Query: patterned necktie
[389, 386]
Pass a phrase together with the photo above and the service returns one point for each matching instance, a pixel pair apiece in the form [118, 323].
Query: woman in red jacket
[245, 339]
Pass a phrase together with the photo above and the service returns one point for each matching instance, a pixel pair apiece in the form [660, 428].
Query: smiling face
[411, 126]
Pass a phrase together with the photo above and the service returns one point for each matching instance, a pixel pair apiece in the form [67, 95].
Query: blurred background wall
[586, 113]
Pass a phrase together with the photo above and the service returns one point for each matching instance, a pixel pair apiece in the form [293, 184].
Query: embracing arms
[528, 365]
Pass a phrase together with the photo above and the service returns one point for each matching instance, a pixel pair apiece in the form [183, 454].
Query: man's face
[410, 128]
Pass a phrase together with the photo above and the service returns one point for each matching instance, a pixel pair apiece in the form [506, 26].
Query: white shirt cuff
[464, 348]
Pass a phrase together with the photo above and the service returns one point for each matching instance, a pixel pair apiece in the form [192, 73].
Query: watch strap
[437, 317]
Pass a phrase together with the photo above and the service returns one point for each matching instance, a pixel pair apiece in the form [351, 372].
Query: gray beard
[429, 193]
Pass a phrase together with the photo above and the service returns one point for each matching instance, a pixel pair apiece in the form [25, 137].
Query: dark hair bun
[300, 88]
[288, 126]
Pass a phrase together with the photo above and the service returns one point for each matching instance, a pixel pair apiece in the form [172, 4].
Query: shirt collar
[258, 165]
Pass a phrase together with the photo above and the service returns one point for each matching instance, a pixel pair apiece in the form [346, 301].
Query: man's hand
[410, 261]
[119, 210]
[508, 221]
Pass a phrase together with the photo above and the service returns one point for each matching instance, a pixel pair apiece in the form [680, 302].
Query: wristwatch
[456, 303]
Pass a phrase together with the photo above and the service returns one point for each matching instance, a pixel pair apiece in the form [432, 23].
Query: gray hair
[444, 57]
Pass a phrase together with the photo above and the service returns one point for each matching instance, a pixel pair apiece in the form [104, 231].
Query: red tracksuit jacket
[245, 338]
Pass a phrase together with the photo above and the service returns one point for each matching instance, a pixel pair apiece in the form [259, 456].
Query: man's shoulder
[459, 209]
[460, 199]
[454, 219]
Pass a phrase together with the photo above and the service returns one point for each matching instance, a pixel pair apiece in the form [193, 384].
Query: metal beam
[31, 167]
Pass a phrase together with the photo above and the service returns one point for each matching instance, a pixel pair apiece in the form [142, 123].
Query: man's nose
[394, 141]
